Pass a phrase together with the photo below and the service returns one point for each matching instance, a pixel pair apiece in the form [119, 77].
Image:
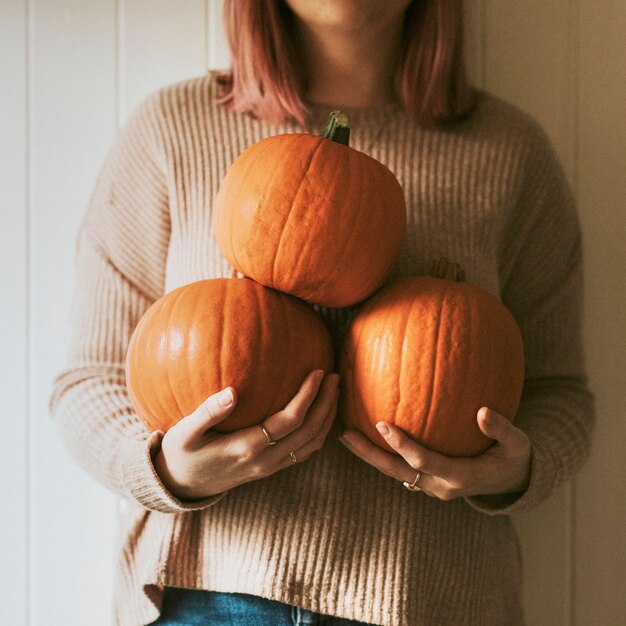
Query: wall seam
[211, 37]
[483, 43]
[28, 126]
[574, 55]
[567, 557]
[207, 27]
[117, 100]
[119, 62]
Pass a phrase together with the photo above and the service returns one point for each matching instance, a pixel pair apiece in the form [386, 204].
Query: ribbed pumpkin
[210, 334]
[425, 354]
[312, 217]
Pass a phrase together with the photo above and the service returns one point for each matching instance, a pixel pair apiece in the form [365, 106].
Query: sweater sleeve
[120, 269]
[541, 278]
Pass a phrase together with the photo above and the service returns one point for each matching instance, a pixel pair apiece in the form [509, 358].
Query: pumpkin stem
[442, 268]
[337, 128]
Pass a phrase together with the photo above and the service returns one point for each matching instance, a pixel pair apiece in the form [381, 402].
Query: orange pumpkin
[211, 334]
[426, 354]
[312, 217]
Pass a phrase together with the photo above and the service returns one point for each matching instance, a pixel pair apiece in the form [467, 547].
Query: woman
[252, 527]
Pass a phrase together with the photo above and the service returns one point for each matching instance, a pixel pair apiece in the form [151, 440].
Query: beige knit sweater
[332, 534]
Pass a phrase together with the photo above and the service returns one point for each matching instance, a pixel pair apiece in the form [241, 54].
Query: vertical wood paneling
[72, 519]
[13, 312]
[474, 41]
[161, 42]
[527, 60]
[217, 43]
[600, 502]
[546, 545]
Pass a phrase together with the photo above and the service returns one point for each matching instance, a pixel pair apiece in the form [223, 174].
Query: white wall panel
[530, 59]
[13, 313]
[217, 44]
[527, 60]
[161, 42]
[474, 37]
[601, 502]
[72, 104]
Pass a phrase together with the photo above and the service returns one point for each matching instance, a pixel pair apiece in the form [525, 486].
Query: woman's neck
[352, 69]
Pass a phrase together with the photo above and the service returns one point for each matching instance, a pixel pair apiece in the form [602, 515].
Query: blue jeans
[190, 607]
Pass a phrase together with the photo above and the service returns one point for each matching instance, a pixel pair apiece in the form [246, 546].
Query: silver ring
[414, 485]
[293, 456]
[267, 436]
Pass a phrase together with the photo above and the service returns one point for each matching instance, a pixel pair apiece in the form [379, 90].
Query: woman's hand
[195, 462]
[502, 468]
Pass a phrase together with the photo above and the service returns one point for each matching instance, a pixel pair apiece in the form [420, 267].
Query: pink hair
[266, 78]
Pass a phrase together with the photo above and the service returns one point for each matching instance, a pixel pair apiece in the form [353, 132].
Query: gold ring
[414, 485]
[293, 456]
[267, 436]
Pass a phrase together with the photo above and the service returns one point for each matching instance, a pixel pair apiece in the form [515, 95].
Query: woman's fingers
[497, 427]
[389, 464]
[305, 440]
[292, 416]
[397, 467]
[270, 438]
[439, 476]
[311, 446]
[191, 429]
[195, 462]
[418, 457]
[252, 452]
[310, 434]
[315, 419]
[502, 468]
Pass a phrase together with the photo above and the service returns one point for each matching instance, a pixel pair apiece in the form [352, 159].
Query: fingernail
[225, 397]
[383, 429]
[346, 438]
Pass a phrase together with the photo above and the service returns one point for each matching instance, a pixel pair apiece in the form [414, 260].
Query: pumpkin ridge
[473, 322]
[345, 241]
[295, 195]
[222, 335]
[170, 313]
[354, 387]
[136, 389]
[355, 157]
[382, 328]
[258, 344]
[371, 260]
[499, 325]
[267, 305]
[402, 358]
[495, 327]
[426, 422]
[151, 398]
[235, 261]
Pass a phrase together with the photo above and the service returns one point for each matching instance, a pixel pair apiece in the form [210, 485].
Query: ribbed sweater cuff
[143, 484]
[542, 481]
